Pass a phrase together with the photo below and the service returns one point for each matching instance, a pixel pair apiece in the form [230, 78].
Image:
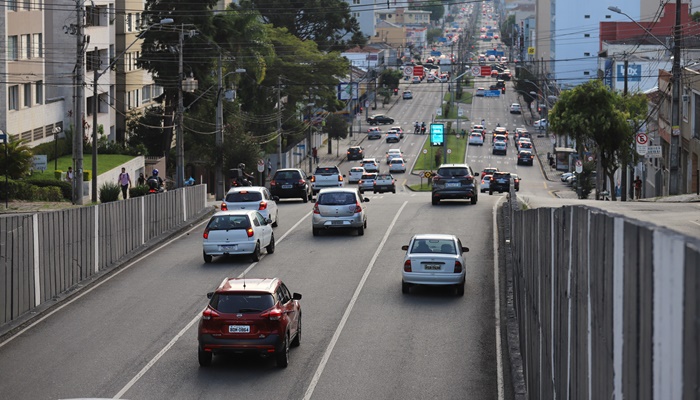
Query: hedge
[63, 186]
[25, 191]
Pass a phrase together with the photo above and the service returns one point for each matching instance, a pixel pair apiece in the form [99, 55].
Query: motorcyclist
[416, 127]
[245, 179]
[422, 128]
[154, 181]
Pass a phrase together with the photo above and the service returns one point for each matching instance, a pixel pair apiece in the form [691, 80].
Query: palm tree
[18, 158]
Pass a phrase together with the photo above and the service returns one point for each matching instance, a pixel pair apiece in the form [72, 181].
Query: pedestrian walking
[314, 153]
[69, 175]
[637, 187]
[141, 180]
[269, 167]
[124, 181]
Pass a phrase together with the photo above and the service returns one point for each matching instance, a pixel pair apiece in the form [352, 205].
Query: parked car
[434, 259]
[250, 315]
[540, 124]
[374, 133]
[475, 138]
[485, 183]
[291, 183]
[355, 174]
[384, 183]
[515, 108]
[379, 119]
[339, 208]
[252, 198]
[525, 157]
[397, 165]
[355, 153]
[366, 182]
[454, 181]
[500, 182]
[566, 176]
[237, 232]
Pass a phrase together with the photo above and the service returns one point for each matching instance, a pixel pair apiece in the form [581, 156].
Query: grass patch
[105, 162]
[425, 187]
[426, 162]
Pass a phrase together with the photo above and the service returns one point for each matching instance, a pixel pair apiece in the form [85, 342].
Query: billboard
[347, 91]
[437, 134]
[634, 72]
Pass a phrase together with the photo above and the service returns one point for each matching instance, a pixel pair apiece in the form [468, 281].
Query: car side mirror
[343, 175]
[296, 296]
[276, 198]
[269, 221]
[404, 247]
[210, 295]
[465, 249]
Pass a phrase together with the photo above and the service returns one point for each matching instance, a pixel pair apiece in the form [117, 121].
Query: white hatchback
[476, 139]
[355, 174]
[237, 232]
[434, 259]
[252, 198]
[397, 165]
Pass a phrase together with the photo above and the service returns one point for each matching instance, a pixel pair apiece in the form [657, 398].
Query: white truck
[326, 177]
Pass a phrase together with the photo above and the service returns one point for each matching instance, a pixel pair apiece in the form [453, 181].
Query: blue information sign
[437, 134]
[492, 93]
[435, 53]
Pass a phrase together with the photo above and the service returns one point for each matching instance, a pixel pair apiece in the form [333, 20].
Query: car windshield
[446, 246]
[337, 198]
[453, 172]
[228, 222]
[234, 303]
[243, 197]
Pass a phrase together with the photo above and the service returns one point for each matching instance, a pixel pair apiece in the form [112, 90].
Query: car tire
[393, 191]
[460, 289]
[490, 192]
[311, 196]
[474, 199]
[207, 257]
[315, 231]
[282, 354]
[256, 253]
[305, 198]
[277, 216]
[271, 246]
[297, 339]
[436, 201]
[405, 287]
[361, 231]
[204, 357]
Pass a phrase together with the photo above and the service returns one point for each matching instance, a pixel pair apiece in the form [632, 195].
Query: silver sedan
[434, 259]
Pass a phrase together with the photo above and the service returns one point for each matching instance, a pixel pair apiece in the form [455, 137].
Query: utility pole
[78, 108]
[95, 103]
[309, 152]
[279, 123]
[218, 175]
[179, 140]
[675, 167]
[625, 172]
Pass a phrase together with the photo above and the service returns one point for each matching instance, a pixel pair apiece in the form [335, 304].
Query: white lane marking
[177, 337]
[348, 310]
[497, 303]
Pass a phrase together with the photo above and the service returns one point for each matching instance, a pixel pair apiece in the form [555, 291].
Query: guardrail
[607, 306]
[44, 255]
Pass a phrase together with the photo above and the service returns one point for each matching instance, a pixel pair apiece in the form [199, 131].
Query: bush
[138, 191]
[64, 188]
[19, 190]
[87, 175]
[109, 192]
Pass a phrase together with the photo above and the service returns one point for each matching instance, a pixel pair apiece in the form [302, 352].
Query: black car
[291, 183]
[500, 182]
[379, 119]
[454, 181]
[525, 157]
[355, 153]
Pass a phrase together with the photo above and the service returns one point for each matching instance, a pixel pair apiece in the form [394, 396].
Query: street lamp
[95, 102]
[675, 170]
[218, 173]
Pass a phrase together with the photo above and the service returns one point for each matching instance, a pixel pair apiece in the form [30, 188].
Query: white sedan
[252, 198]
[397, 165]
[476, 139]
[540, 124]
[434, 259]
[237, 232]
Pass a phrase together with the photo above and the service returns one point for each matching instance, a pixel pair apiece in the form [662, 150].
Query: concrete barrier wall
[46, 254]
[607, 307]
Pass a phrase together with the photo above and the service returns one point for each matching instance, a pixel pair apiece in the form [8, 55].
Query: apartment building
[27, 111]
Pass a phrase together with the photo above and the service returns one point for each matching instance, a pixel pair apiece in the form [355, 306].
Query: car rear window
[337, 198]
[356, 169]
[235, 303]
[388, 177]
[453, 171]
[397, 161]
[243, 197]
[433, 246]
[287, 175]
[369, 176]
[327, 170]
[227, 222]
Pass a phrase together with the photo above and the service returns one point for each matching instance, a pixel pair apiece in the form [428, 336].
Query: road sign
[642, 138]
[437, 134]
[39, 162]
[485, 70]
[427, 174]
[530, 51]
[590, 158]
[579, 166]
[408, 70]
[460, 112]
[676, 130]
[438, 111]
[476, 70]
[261, 165]
[449, 151]
[425, 151]
[492, 93]
[653, 152]
[552, 138]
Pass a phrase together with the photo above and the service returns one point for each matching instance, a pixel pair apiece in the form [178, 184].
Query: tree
[433, 34]
[336, 128]
[19, 158]
[599, 120]
[508, 31]
[329, 23]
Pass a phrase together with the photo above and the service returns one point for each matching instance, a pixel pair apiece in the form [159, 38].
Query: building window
[89, 105]
[27, 94]
[26, 5]
[111, 13]
[111, 95]
[11, 5]
[37, 45]
[13, 98]
[586, 16]
[586, 54]
[586, 73]
[129, 26]
[137, 16]
[26, 44]
[146, 94]
[12, 48]
[587, 35]
[39, 92]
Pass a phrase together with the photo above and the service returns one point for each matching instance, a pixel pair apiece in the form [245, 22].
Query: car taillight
[340, 178]
[224, 207]
[316, 211]
[436, 178]
[407, 266]
[458, 267]
[274, 315]
[209, 314]
[263, 205]
[313, 179]
[206, 233]
[469, 178]
[360, 182]
[301, 182]
[250, 232]
[358, 207]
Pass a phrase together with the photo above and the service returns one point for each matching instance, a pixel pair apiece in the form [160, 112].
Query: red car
[488, 171]
[250, 316]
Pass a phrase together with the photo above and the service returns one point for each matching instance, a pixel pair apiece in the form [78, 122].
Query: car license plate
[336, 222]
[452, 184]
[432, 266]
[238, 329]
[229, 248]
[286, 186]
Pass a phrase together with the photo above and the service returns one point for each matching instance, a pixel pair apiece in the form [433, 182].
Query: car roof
[234, 212]
[289, 169]
[436, 236]
[344, 190]
[248, 284]
[396, 159]
[357, 169]
[247, 189]
[491, 169]
[364, 160]
[394, 151]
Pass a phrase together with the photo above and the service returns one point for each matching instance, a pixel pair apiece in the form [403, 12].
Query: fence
[607, 307]
[43, 255]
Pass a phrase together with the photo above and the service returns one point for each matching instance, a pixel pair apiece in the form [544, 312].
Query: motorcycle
[241, 182]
